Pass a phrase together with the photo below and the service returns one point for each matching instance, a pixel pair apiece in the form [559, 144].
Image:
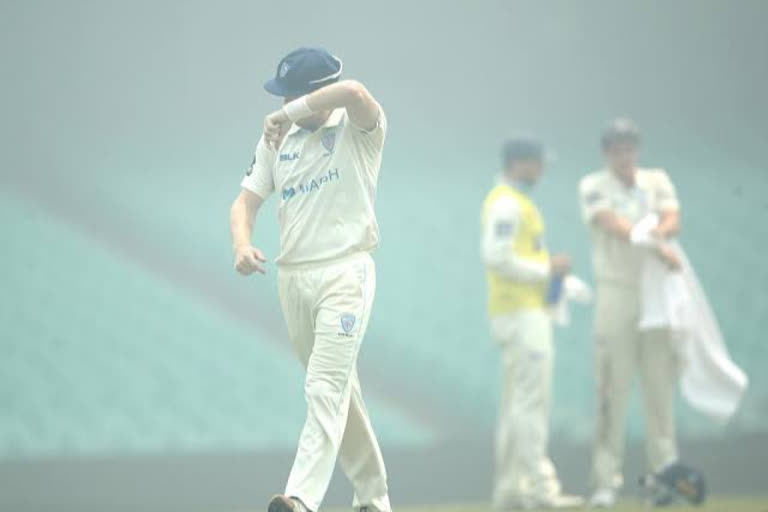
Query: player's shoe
[554, 502]
[282, 503]
[563, 501]
[603, 498]
[558, 502]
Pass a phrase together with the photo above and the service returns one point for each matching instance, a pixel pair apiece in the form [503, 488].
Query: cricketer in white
[322, 153]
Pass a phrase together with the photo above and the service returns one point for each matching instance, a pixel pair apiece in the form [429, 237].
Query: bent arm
[613, 224]
[241, 217]
[596, 211]
[361, 106]
[500, 230]
[513, 266]
[669, 225]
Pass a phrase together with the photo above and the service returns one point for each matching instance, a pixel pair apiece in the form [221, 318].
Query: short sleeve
[259, 177]
[666, 193]
[592, 199]
[372, 140]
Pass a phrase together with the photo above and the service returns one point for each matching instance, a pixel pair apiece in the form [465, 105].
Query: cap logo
[284, 68]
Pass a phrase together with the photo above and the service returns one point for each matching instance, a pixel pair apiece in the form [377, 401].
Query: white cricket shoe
[560, 501]
[603, 498]
[554, 502]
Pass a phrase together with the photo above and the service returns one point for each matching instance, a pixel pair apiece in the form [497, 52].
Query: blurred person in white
[613, 201]
[519, 273]
[322, 152]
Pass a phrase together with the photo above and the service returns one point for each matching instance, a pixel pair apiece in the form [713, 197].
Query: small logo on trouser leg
[347, 322]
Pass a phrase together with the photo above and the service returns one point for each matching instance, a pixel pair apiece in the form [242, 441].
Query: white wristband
[640, 237]
[297, 109]
[641, 232]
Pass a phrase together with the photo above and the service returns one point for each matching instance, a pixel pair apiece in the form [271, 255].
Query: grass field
[717, 504]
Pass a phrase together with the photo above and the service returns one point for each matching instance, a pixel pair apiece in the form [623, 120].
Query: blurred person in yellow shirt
[520, 272]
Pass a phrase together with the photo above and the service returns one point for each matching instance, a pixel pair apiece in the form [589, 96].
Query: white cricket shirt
[326, 182]
[615, 259]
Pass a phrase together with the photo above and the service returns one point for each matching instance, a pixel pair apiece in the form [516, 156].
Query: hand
[669, 257]
[248, 260]
[560, 264]
[276, 125]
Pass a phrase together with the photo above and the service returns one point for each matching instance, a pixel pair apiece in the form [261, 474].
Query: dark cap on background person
[522, 148]
[620, 130]
[304, 70]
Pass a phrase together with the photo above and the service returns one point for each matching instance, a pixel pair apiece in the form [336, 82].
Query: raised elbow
[356, 91]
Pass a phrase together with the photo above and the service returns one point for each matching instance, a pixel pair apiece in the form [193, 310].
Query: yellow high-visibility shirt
[514, 232]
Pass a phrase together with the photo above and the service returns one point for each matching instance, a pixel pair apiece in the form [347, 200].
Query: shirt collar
[615, 179]
[333, 120]
[523, 188]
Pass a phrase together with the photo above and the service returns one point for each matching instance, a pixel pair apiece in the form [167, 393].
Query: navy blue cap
[522, 148]
[620, 130]
[303, 71]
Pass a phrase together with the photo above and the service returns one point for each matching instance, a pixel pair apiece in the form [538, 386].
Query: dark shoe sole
[280, 503]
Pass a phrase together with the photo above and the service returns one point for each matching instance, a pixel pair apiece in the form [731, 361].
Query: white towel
[574, 290]
[666, 299]
[710, 381]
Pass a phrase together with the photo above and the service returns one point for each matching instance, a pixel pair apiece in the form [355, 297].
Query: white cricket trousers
[326, 308]
[621, 352]
[523, 468]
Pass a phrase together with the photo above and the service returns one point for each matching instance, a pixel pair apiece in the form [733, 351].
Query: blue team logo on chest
[328, 141]
[347, 322]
